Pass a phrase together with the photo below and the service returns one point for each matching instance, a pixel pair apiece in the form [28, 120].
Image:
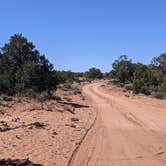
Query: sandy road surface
[127, 132]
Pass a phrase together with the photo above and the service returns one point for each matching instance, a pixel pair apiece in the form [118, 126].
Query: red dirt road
[127, 131]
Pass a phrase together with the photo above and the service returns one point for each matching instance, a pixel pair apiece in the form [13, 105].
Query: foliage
[144, 78]
[67, 86]
[123, 69]
[160, 62]
[93, 73]
[23, 70]
[68, 76]
[65, 76]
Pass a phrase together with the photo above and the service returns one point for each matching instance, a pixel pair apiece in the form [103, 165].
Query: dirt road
[127, 132]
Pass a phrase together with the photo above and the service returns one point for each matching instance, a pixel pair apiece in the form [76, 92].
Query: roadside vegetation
[23, 70]
[26, 72]
[93, 73]
[145, 79]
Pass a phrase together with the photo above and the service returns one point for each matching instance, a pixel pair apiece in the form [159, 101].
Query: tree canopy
[93, 73]
[123, 69]
[144, 78]
[23, 69]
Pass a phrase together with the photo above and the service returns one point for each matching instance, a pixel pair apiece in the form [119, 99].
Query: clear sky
[79, 34]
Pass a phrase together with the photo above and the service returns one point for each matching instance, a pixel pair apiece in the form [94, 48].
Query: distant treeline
[145, 79]
[69, 76]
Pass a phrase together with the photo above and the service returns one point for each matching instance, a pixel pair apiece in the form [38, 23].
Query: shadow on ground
[17, 162]
[75, 105]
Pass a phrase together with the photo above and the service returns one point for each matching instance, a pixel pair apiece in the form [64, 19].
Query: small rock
[70, 109]
[73, 125]
[73, 119]
[15, 119]
[127, 95]
[55, 133]
[18, 137]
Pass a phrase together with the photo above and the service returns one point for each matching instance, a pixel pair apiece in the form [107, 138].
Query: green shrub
[67, 86]
[93, 73]
[138, 86]
[162, 87]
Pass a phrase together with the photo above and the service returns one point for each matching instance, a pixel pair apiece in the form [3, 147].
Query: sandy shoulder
[46, 136]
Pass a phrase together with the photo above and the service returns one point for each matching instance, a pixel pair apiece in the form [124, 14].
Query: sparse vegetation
[67, 86]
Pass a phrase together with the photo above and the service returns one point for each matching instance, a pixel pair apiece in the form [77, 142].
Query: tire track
[121, 133]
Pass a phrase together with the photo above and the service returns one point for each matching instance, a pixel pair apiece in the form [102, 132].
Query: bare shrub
[159, 95]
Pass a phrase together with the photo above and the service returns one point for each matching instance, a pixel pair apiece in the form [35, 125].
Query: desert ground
[103, 127]
[42, 133]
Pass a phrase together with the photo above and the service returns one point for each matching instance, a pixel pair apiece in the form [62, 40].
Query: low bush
[67, 86]
[128, 86]
[77, 91]
[159, 95]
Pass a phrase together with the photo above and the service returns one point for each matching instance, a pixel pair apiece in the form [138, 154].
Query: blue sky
[79, 34]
